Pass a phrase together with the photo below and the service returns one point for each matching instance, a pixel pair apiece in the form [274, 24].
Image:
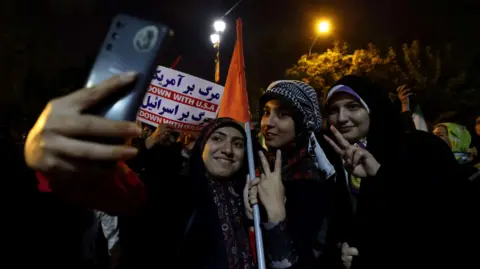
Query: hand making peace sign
[269, 188]
[358, 161]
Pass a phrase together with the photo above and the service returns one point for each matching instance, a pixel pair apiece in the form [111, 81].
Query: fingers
[162, 126]
[402, 90]
[87, 125]
[342, 142]
[248, 182]
[347, 254]
[87, 97]
[351, 252]
[162, 129]
[265, 165]
[405, 92]
[253, 191]
[348, 156]
[354, 156]
[252, 196]
[347, 261]
[358, 156]
[250, 185]
[88, 150]
[278, 162]
[172, 128]
[167, 128]
[334, 145]
[246, 196]
[249, 210]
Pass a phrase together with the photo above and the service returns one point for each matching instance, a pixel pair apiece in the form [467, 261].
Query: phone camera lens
[114, 36]
[109, 46]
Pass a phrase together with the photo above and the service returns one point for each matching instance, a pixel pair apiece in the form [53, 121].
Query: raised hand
[404, 94]
[250, 193]
[54, 145]
[162, 136]
[270, 188]
[358, 161]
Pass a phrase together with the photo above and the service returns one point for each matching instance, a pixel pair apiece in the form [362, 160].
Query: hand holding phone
[131, 44]
[60, 142]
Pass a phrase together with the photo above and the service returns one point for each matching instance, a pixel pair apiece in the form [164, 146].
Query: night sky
[58, 35]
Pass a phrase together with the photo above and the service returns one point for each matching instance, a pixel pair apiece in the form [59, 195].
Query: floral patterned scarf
[230, 209]
[227, 201]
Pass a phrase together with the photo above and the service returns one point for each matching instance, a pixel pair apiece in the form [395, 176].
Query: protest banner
[180, 99]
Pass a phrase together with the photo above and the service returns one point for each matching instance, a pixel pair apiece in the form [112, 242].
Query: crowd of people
[350, 183]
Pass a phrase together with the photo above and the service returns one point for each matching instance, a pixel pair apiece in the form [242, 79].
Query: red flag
[235, 98]
[174, 64]
[253, 245]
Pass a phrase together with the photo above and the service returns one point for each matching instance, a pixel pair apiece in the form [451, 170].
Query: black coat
[411, 214]
[180, 225]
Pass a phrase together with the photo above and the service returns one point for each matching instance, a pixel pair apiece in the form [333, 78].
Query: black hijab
[219, 211]
[385, 121]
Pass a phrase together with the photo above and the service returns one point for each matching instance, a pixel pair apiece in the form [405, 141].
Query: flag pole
[217, 61]
[256, 209]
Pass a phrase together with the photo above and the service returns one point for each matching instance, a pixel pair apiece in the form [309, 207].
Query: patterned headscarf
[303, 98]
[460, 139]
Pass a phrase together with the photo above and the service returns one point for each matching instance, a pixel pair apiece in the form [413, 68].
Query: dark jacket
[309, 208]
[180, 224]
[149, 236]
[404, 210]
[411, 213]
[41, 228]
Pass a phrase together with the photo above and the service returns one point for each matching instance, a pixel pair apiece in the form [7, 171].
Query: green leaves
[437, 78]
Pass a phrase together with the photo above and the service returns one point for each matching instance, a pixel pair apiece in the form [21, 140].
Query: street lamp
[219, 27]
[215, 38]
[323, 27]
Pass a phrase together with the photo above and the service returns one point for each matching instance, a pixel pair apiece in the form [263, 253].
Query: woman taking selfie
[200, 218]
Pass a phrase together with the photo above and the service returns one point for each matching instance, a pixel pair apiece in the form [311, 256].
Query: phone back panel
[131, 44]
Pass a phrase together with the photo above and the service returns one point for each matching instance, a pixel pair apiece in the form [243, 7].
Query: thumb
[248, 185]
[85, 98]
[248, 182]
[351, 252]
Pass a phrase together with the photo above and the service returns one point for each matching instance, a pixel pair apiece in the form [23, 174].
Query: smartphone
[132, 44]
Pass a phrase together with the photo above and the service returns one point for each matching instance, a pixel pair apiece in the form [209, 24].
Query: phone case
[131, 44]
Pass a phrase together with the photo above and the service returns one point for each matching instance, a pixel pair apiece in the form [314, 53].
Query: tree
[439, 79]
[322, 70]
